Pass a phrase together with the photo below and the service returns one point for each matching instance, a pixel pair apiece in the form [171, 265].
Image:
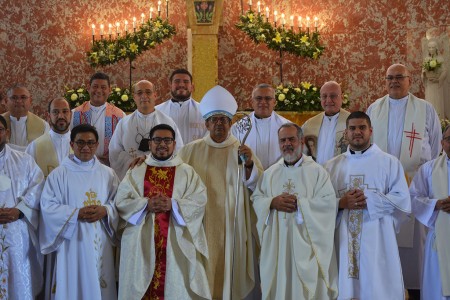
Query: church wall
[43, 44]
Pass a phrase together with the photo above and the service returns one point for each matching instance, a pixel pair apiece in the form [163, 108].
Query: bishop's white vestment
[297, 251]
[366, 244]
[124, 145]
[84, 251]
[186, 251]
[21, 183]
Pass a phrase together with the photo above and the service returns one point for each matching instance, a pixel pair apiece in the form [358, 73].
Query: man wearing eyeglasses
[79, 220]
[131, 137]
[328, 127]
[408, 128]
[162, 204]
[215, 159]
[24, 126]
[265, 123]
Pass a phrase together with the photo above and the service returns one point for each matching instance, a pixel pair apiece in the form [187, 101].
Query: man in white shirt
[327, 128]
[182, 108]
[408, 128]
[51, 148]
[263, 137]
[24, 126]
[131, 136]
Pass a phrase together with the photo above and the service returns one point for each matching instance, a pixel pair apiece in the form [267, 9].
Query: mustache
[288, 148]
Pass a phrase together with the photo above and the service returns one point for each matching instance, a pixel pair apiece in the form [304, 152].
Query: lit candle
[267, 14]
[275, 18]
[117, 27]
[307, 22]
[101, 29]
[134, 23]
[142, 18]
[250, 3]
[126, 26]
[151, 12]
[93, 29]
[292, 22]
[299, 23]
[316, 22]
[259, 7]
[283, 20]
[110, 29]
[159, 8]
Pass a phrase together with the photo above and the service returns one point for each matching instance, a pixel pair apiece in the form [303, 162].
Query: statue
[434, 73]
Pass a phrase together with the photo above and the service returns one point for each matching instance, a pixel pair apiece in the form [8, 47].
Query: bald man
[131, 137]
[327, 128]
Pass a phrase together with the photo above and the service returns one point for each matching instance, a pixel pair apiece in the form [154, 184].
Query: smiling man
[296, 209]
[408, 128]
[373, 201]
[327, 128]
[99, 113]
[162, 203]
[79, 220]
[130, 140]
[265, 123]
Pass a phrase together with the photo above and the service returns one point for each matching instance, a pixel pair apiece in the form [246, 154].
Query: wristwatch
[21, 215]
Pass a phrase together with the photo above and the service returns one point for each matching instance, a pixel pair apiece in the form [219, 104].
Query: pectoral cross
[132, 151]
[289, 187]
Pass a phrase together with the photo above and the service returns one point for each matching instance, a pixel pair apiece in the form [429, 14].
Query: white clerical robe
[21, 183]
[409, 129]
[263, 137]
[423, 204]
[124, 146]
[297, 251]
[368, 259]
[217, 165]
[61, 145]
[84, 251]
[187, 116]
[18, 139]
[186, 251]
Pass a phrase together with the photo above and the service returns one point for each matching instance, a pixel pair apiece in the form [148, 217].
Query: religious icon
[311, 146]
[204, 11]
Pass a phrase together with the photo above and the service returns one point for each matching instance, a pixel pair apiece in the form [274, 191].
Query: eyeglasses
[396, 77]
[81, 144]
[158, 140]
[447, 139]
[266, 98]
[17, 98]
[332, 96]
[142, 93]
[56, 112]
[223, 120]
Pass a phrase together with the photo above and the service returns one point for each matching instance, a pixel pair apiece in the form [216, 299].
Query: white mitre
[218, 101]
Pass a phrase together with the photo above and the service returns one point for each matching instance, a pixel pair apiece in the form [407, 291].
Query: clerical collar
[180, 102]
[20, 120]
[83, 163]
[398, 101]
[331, 118]
[359, 152]
[261, 118]
[298, 163]
[61, 135]
[98, 108]
[141, 115]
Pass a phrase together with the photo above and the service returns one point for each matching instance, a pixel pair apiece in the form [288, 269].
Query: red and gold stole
[159, 180]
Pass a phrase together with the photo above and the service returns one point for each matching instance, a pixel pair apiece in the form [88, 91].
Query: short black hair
[83, 128]
[3, 121]
[358, 115]
[161, 127]
[180, 71]
[100, 75]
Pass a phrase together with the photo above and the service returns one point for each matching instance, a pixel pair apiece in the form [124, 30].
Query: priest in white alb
[161, 204]
[79, 220]
[296, 209]
[182, 108]
[130, 139]
[430, 190]
[21, 183]
[265, 123]
[373, 201]
[324, 133]
[408, 128]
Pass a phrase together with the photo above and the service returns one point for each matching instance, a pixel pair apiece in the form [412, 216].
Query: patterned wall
[43, 44]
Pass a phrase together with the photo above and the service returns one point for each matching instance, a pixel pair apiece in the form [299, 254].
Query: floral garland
[122, 98]
[431, 64]
[277, 38]
[109, 51]
[305, 97]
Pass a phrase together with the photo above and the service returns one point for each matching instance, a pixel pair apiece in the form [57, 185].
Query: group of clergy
[261, 208]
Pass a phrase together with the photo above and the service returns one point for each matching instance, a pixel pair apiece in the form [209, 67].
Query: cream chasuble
[297, 252]
[366, 236]
[34, 128]
[187, 250]
[217, 164]
[312, 128]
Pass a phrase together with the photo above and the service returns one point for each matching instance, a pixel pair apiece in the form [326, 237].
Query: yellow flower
[74, 97]
[133, 47]
[314, 89]
[285, 90]
[117, 89]
[433, 63]
[281, 97]
[111, 47]
[80, 90]
[277, 38]
[123, 52]
[297, 90]
[124, 98]
[111, 56]
[158, 24]
[304, 40]
[316, 55]
[70, 91]
[306, 85]
[250, 17]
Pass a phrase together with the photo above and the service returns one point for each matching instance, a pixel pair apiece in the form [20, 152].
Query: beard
[178, 97]
[294, 156]
[58, 128]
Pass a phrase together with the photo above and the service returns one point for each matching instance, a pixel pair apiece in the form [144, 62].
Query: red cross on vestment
[412, 135]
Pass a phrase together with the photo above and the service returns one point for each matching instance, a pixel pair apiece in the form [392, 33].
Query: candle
[110, 29]
[267, 14]
[283, 20]
[299, 22]
[159, 8]
[126, 26]
[101, 29]
[250, 2]
[134, 23]
[117, 27]
[93, 29]
[307, 22]
[151, 12]
[292, 21]
[142, 18]
[316, 22]
[275, 17]
[259, 7]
